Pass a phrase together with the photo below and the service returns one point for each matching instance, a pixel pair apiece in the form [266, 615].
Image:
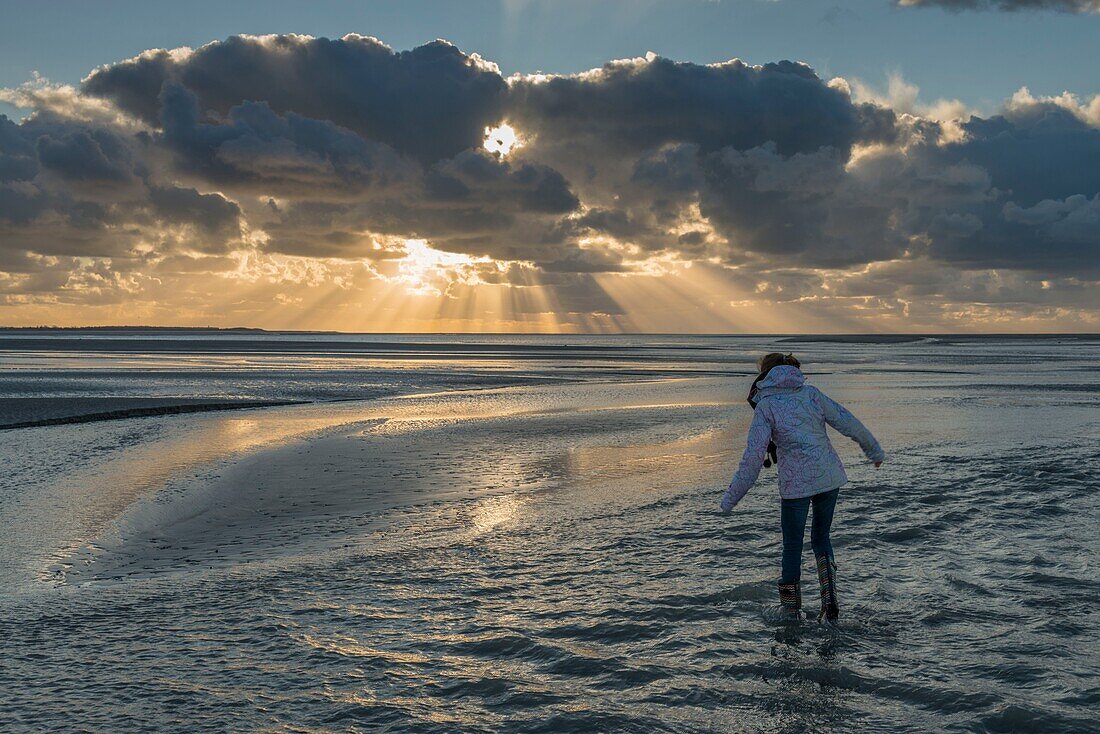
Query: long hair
[775, 359]
[765, 365]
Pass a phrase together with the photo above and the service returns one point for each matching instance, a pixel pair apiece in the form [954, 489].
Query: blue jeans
[793, 519]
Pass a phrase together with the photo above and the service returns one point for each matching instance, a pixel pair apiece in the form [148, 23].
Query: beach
[310, 532]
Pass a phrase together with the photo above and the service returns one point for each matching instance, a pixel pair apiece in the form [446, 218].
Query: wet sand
[548, 556]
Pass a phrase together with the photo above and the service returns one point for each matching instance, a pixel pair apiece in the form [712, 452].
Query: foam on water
[548, 557]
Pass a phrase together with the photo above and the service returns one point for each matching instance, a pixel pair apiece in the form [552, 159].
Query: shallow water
[544, 553]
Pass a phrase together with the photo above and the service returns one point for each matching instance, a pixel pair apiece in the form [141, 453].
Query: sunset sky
[635, 165]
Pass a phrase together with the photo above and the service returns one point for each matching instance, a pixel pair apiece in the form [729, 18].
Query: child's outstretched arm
[760, 434]
[840, 418]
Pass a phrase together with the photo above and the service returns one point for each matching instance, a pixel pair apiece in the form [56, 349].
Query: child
[793, 415]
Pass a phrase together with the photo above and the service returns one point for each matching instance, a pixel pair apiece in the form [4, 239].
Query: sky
[630, 165]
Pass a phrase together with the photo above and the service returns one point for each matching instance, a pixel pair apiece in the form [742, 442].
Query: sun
[502, 139]
[427, 271]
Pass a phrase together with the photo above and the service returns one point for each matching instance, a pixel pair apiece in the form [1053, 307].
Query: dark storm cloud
[19, 205]
[211, 212]
[86, 155]
[70, 173]
[134, 85]
[18, 161]
[614, 222]
[475, 175]
[804, 209]
[1062, 6]
[586, 261]
[429, 103]
[472, 202]
[278, 132]
[175, 264]
[645, 138]
[76, 189]
[12, 140]
[285, 154]
[1038, 209]
[1040, 151]
[474, 227]
[17, 168]
[671, 170]
[959, 200]
[645, 104]
[475, 203]
[342, 148]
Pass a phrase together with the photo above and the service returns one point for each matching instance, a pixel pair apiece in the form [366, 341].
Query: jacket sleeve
[760, 434]
[840, 418]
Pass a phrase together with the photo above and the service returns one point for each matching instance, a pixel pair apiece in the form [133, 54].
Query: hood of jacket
[782, 379]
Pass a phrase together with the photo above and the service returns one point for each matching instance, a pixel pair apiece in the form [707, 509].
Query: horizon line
[155, 327]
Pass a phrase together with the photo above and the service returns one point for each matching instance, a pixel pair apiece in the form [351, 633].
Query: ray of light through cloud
[425, 189]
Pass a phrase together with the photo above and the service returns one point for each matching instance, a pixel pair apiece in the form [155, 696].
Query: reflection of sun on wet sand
[498, 557]
[303, 489]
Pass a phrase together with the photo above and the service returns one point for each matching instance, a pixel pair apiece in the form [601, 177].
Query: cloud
[1031, 156]
[429, 103]
[904, 97]
[474, 203]
[210, 212]
[85, 155]
[231, 165]
[73, 188]
[287, 154]
[804, 209]
[639, 104]
[477, 175]
[1062, 6]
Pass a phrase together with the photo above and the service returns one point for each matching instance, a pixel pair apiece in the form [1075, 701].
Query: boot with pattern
[826, 576]
[790, 599]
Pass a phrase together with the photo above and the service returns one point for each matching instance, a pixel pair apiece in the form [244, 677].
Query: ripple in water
[546, 566]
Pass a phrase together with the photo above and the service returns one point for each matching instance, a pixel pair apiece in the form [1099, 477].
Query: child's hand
[727, 504]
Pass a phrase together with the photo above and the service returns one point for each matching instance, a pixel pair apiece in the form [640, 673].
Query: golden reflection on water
[492, 512]
[86, 502]
[433, 709]
[668, 460]
[350, 647]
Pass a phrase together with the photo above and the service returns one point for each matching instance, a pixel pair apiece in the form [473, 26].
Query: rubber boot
[826, 576]
[790, 599]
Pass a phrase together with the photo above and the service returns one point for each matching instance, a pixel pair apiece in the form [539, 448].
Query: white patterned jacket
[793, 415]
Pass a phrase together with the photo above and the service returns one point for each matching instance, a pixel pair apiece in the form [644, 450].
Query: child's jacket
[793, 415]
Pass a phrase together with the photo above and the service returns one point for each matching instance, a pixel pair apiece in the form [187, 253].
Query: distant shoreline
[857, 338]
